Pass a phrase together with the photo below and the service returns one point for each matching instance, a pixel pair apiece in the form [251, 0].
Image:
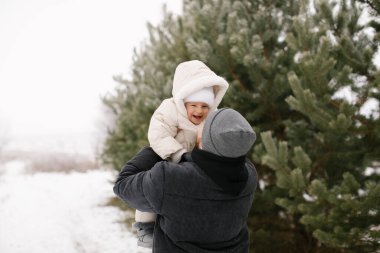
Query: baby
[173, 128]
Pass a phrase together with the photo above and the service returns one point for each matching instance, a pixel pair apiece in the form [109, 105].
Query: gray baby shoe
[144, 233]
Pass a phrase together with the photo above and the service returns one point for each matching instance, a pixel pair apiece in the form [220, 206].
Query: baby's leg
[144, 226]
[144, 216]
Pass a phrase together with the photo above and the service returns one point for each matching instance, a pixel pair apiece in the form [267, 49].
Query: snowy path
[60, 213]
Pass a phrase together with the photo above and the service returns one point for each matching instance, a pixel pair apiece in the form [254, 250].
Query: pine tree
[374, 5]
[324, 170]
[288, 63]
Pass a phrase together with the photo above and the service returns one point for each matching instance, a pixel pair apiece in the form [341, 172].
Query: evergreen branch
[237, 78]
[319, 166]
[371, 5]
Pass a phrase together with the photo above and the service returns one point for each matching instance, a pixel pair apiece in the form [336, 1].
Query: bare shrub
[6, 156]
[60, 162]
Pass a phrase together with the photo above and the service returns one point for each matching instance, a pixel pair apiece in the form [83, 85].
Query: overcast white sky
[57, 57]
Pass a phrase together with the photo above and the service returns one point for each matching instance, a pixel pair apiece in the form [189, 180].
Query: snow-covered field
[60, 213]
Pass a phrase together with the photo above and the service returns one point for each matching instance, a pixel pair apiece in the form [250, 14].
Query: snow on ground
[60, 213]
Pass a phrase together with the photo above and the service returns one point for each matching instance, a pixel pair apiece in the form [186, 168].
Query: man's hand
[185, 157]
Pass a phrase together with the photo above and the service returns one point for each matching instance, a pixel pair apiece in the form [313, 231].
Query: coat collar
[229, 173]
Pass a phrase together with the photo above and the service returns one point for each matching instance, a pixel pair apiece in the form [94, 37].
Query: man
[202, 203]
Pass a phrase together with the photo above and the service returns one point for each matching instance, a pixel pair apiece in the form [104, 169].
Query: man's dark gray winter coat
[202, 203]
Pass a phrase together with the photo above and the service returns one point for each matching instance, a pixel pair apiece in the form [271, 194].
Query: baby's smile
[197, 119]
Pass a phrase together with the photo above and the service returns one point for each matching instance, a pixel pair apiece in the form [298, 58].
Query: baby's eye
[204, 107]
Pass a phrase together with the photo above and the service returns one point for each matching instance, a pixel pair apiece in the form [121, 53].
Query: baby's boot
[144, 233]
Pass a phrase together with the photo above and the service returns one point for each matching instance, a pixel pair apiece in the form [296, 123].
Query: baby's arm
[163, 128]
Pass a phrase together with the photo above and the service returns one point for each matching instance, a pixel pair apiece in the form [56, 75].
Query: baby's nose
[198, 110]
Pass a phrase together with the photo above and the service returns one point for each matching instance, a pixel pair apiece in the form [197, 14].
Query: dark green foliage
[286, 62]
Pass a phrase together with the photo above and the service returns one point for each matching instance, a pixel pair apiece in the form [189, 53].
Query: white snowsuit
[171, 133]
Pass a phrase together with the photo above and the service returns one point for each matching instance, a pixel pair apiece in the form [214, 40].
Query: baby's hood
[191, 76]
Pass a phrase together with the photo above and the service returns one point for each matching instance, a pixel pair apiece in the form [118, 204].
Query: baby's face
[196, 111]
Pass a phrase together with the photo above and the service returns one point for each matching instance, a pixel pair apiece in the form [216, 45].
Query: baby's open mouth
[197, 117]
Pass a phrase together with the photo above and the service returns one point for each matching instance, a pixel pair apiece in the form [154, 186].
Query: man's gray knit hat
[227, 133]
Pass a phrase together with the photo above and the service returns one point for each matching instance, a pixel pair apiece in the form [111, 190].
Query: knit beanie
[205, 95]
[227, 133]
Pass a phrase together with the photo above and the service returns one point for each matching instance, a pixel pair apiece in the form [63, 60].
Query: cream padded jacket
[170, 132]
